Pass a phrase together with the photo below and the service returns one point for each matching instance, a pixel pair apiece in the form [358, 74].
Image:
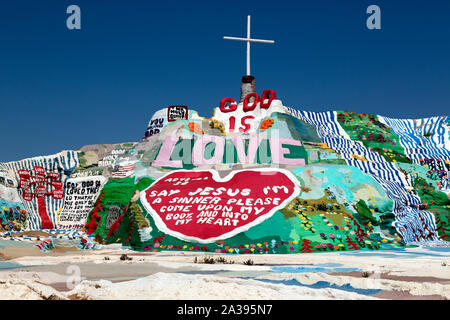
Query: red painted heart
[199, 206]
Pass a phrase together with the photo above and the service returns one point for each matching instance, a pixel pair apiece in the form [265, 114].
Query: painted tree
[94, 217]
[35, 184]
[381, 139]
[351, 243]
[441, 226]
[306, 246]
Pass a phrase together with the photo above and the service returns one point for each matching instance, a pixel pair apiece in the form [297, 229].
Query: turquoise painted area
[414, 168]
[9, 265]
[284, 227]
[290, 269]
[438, 249]
[329, 264]
[401, 253]
[10, 204]
[344, 182]
[322, 285]
[324, 155]
[9, 243]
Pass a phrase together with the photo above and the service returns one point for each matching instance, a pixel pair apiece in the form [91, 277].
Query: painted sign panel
[177, 112]
[200, 206]
[81, 194]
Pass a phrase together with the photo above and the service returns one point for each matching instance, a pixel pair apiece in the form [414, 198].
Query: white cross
[248, 40]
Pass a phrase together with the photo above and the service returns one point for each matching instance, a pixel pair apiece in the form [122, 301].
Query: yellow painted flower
[252, 249]
[295, 241]
[258, 244]
[246, 245]
[185, 246]
[230, 250]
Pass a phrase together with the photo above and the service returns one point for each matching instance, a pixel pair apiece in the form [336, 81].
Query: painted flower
[156, 245]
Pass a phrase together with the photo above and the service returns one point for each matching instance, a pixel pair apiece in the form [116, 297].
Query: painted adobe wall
[282, 181]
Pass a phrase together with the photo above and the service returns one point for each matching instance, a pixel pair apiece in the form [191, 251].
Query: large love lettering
[200, 206]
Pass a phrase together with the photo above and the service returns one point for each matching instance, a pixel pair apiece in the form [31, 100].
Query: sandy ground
[69, 273]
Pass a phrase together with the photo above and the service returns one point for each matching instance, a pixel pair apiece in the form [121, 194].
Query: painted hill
[258, 177]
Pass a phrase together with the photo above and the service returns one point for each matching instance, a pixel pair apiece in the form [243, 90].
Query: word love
[225, 151]
[208, 208]
[247, 119]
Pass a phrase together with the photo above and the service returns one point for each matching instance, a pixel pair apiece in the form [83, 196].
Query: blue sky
[62, 89]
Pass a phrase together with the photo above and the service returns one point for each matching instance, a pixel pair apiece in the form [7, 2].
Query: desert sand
[70, 273]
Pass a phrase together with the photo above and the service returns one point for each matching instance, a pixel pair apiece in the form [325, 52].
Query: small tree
[95, 218]
[381, 139]
[351, 243]
[306, 246]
